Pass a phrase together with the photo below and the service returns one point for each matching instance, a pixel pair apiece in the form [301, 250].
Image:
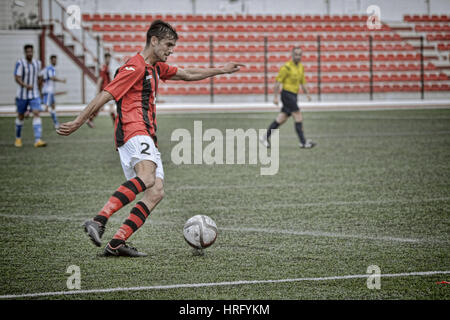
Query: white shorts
[137, 149]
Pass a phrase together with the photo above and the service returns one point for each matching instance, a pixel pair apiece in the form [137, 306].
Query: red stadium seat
[96, 27]
[117, 17]
[96, 17]
[128, 17]
[107, 17]
[140, 18]
[86, 17]
[109, 28]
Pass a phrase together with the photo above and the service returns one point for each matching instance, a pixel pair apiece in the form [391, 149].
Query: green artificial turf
[375, 191]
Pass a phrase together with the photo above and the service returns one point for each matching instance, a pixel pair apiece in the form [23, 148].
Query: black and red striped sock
[125, 194]
[135, 220]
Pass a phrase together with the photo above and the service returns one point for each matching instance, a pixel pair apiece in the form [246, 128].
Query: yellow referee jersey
[291, 76]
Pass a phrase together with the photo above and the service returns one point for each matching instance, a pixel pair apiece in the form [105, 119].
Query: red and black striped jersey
[134, 88]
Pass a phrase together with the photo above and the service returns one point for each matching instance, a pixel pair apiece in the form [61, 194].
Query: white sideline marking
[215, 284]
[80, 216]
[323, 234]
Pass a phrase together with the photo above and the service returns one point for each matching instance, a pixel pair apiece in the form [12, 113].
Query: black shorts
[289, 101]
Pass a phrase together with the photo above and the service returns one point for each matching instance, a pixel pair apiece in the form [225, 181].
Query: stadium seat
[140, 18]
[117, 17]
[127, 38]
[96, 17]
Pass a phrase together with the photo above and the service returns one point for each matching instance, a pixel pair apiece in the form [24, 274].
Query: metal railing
[68, 22]
[370, 66]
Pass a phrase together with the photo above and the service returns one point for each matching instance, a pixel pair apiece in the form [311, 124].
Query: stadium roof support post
[422, 75]
[42, 44]
[266, 89]
[97, 38]
[318, 70]
[371, 67]
[211, 65]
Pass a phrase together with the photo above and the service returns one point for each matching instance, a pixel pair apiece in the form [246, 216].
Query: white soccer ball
[200, 231]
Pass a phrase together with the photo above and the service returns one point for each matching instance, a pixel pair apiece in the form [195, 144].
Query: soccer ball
[200, 231]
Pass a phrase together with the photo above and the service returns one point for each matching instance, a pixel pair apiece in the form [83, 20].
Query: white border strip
[215, 284]
[270, 107]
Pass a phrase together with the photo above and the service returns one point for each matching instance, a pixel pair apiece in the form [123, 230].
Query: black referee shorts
[289, 101]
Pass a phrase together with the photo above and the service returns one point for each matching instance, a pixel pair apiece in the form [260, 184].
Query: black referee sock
[299, 129]
[273, 125]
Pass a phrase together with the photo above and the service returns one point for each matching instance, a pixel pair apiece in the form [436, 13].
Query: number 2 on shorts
[146, 147]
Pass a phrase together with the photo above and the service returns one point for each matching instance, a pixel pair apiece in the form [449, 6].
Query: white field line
[79, 216]
[325, 234]
[310, 233]
[216, 284]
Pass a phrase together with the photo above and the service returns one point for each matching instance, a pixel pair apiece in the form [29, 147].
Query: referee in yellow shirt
[290, 77]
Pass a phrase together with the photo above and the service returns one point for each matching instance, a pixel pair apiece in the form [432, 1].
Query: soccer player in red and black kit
[134, 89]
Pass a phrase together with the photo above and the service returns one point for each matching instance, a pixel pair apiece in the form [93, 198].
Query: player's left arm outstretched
[195, 74]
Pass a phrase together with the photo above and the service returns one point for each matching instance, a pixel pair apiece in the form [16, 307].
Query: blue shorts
[48, 99]
[289, 101]
[22, 105]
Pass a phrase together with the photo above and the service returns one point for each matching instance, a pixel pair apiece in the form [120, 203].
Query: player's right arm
[127, 76]
[99, 84]
[23, 84]
[94, 106]
[58, 79]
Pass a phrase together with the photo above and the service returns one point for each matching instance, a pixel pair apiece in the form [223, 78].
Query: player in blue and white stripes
[26, 73]
[48, 75]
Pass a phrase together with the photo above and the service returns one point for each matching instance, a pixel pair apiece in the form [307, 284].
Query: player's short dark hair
[27, 46]
[107, 54]
[53, 56]
[161, 30]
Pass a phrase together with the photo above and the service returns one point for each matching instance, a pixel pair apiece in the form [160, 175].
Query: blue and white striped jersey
[47, 74]
[29, 72]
